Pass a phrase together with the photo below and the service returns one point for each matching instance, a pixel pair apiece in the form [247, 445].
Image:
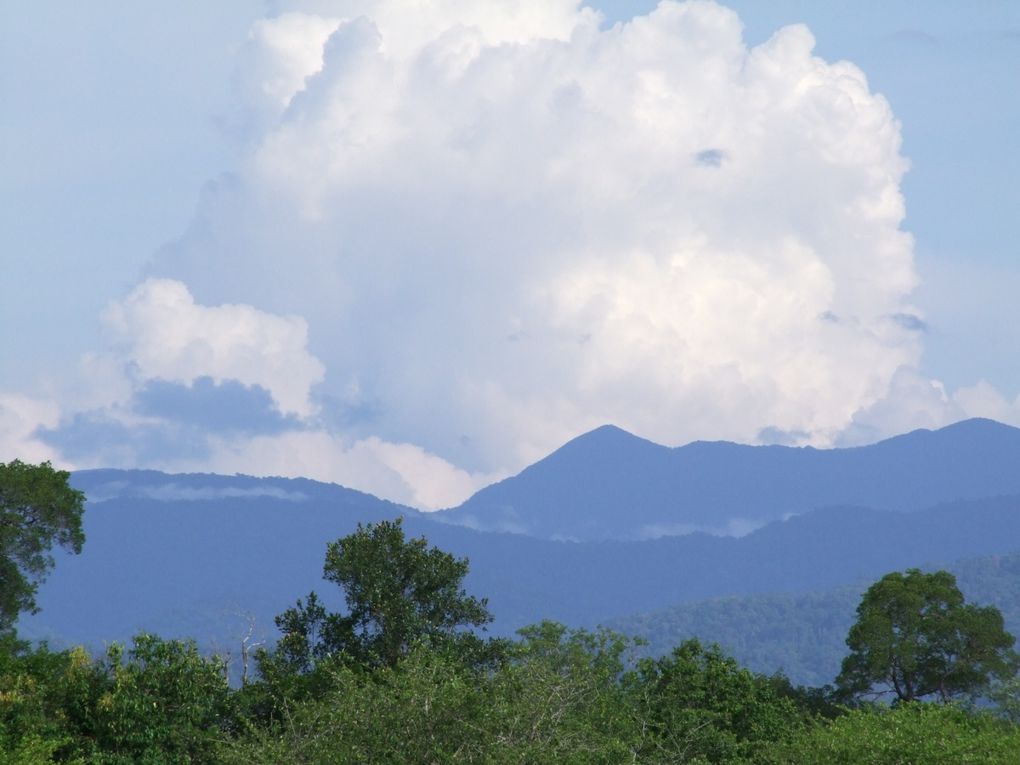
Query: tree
[398, 591]
[158, 703]
[559, 698]
[429, 709]
[702, 706]
[38, 509]
[915, 637]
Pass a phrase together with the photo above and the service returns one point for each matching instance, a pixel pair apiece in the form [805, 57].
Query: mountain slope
[804, 635]
[200, 564]
[608, 484]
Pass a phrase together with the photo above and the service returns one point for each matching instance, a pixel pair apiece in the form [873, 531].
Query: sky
[413, 248]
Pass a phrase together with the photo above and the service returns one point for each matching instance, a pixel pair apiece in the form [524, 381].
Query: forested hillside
[401, 674]
[229, 561]
[803, 635]
[208, 557]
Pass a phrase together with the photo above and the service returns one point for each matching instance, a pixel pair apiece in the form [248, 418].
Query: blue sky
[190, 225]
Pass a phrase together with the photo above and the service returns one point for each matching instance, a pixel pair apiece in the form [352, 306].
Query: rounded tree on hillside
[399, 592]
[915, 637]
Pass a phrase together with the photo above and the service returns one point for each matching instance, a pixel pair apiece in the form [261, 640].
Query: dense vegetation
[554, 696]
[800, 634]
[804, 635]
[405, 674]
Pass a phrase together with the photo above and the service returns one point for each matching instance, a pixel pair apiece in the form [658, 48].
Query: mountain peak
[606, 435]
[979, 425]
[607, 430]
[606, 445]
[611, 484]
[976, 431]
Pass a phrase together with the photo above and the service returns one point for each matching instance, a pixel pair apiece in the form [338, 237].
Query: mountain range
[609, 484]
[209, 556]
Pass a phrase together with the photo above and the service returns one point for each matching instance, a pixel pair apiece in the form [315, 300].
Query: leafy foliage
[703, 706]
[38, 509]
[400, 678]
[916, 637]
[908, 734]
[423, 710]
[399, 593]
[556, 696]
[561, 697]
[158, 703]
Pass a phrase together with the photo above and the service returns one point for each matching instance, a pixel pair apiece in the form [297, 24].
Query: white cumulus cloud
[165, 347]
[20, 419]
[506, 224]
[166, 335]
[462, 233]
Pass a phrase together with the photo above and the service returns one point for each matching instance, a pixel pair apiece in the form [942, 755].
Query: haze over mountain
[207, 556]
[201, 555]
[205, 567]
[609, 484]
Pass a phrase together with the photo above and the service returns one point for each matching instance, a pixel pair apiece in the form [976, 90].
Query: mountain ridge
[180, 553]
[185, 567]
[610, 484]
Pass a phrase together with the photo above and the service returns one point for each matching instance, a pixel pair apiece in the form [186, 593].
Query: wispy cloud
[175, 492]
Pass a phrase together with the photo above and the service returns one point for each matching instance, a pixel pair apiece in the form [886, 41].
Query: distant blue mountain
[108, 484]
[609, 484]
[201, 555]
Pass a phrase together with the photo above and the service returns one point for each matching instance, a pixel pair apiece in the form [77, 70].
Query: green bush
[909, 734]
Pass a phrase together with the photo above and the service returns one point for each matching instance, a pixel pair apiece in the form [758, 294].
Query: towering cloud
[463, 232]
[506, 223]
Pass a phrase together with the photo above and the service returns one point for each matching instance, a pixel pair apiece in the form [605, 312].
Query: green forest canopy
[403, 678]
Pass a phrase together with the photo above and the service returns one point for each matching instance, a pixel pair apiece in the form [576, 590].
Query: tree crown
[916, 637]
[38, 509]
[399, 592]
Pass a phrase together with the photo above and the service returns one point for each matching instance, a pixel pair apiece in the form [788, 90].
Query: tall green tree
[916, 637]
[399, 592]
[38, 509]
